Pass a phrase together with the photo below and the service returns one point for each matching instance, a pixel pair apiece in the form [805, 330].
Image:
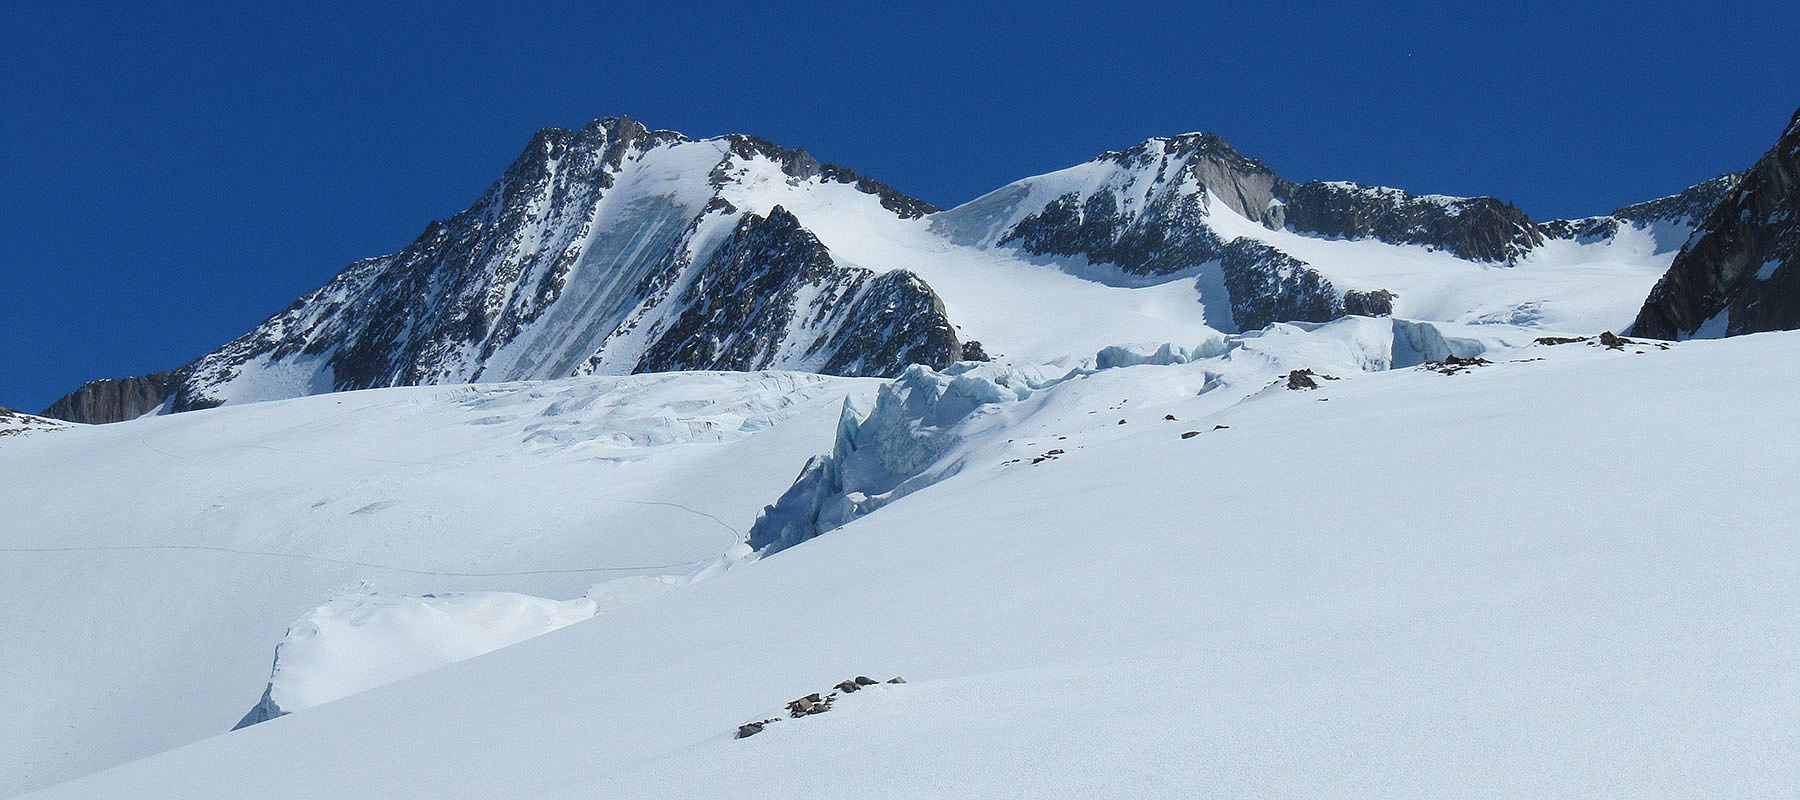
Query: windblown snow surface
[149, 569]
[1568, 572]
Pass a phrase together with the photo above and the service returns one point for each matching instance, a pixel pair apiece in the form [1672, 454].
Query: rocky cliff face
[1474, 228]
[1740, 273]
[771, 295]
[1267, 285]
[115, 399]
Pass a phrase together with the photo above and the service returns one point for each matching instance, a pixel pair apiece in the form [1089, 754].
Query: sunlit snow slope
[617, 249]
[148, 569]
[1563, 574]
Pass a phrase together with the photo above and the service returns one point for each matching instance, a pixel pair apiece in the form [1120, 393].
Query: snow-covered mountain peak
[615, 248]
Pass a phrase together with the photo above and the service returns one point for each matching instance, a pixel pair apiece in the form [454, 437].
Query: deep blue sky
[170, 177]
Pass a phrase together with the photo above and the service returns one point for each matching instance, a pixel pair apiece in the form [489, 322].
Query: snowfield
[149, 569]
[1567, 572]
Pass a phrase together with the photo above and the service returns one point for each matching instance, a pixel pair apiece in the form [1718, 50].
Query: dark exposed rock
[1170, 236]
[744, 300]
[1267, 286]
[1740, 273]
[743, 296]
[1152, 217]
[1373, 303]
[13, 423]
[1171, 233]
[815, 703]
[1301, 379]
[1585, 229]
[896, 322]
[800, 164]
[1556, 340]
[972, 351]
[1475, 228]
[1454, 364]
[115, 399]
[811, 704]
[1687, 209]
[1671, 219]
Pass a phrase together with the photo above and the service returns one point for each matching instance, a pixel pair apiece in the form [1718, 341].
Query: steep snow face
[1404, 583]
[149, 568]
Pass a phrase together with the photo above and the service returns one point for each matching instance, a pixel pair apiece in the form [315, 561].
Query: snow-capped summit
[617, 248]
[614, 248]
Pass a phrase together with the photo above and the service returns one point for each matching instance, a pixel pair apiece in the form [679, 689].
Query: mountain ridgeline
[618, 249]
[1740, 273]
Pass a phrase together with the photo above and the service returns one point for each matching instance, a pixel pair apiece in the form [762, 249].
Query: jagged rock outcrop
[115, 399]
[744, 310]
[1267, 285]
[1372, 303]
[1150, 211]
[1151, 215]
[1740, 273]
[13, 423]
[899, 322]
[1173, 206]
[1670, 219]
[1475, 228]
[799, 164]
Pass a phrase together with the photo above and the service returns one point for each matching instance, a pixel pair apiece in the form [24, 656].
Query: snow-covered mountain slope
[1740, 273]
[149, 569]
[616, 249]
[1553, 575]
[1260, 249]
[596, 252]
